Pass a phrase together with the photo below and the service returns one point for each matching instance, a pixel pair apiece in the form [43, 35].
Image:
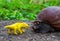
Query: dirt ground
[29, 35]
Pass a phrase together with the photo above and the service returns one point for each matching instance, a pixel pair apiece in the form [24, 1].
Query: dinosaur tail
[5, 26]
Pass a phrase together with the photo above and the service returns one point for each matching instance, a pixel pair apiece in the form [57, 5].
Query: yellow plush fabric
[17, 27]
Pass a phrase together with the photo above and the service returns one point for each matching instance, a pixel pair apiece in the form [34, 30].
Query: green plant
[23, 9]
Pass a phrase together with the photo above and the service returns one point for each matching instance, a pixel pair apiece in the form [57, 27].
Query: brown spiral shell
[51, 15]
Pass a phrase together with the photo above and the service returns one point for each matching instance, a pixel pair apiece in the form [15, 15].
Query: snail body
[51, 15]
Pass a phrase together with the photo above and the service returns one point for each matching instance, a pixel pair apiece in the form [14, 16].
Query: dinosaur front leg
[15, 31]
[23, 30]
[20, 31]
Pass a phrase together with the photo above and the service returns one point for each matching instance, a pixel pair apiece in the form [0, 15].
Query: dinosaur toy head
[25, 25]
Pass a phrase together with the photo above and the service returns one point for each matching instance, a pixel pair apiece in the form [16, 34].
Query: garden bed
[29, 35]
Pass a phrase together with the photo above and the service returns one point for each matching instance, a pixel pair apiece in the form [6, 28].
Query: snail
[47, 20]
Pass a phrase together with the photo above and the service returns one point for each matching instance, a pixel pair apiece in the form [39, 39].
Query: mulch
[29, 35]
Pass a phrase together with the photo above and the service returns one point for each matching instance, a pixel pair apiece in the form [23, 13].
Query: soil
[29, 35]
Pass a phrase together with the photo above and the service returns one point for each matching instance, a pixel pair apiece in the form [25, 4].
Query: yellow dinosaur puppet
[18, 26]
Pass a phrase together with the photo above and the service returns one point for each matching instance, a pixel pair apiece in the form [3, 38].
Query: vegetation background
[23, 9]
